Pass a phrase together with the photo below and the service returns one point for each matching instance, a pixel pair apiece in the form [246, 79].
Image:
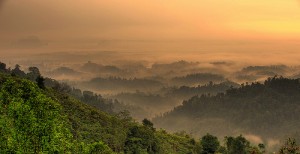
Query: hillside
[266, 112]
[141, 104]
[37, 119]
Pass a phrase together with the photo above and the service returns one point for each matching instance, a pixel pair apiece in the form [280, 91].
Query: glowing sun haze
[209, 25]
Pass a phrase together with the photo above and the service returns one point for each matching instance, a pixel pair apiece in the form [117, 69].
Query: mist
[196, 66]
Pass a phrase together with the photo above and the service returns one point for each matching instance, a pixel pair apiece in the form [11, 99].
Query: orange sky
[217, 21]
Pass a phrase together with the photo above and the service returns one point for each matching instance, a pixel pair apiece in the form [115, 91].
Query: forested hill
[268, 111]
[35, 118]
[38, 119]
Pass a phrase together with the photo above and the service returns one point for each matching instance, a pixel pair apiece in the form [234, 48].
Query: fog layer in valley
[200, 66]
[152, 88]
[150, 81]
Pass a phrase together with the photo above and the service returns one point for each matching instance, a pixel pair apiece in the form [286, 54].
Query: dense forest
[266, 111]
[39, 119]
[158, 102]
[149, 77]
[41, 115]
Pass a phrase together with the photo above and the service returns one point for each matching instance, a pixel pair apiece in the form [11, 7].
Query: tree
[40, 82]
[147, 123]
[210, 144]
[290, 147]
[30, 122]
[262, 148]
[236, 145]
[141, 139]
[33, 74]
[17, 71]
[93, 148]
[2, 67]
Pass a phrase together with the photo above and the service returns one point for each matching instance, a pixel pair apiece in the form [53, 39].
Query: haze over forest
[192, 67]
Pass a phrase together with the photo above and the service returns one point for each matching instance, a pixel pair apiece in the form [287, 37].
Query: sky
[207, 25]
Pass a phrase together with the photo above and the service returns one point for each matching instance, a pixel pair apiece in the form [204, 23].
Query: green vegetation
[144, 104]
[32, 122]
[290, 147]
[35, 118]
[265, 110]
[233, 145]
[210, 144]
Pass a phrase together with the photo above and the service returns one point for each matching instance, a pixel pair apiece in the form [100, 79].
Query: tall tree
[210, 144]
[2, 67]
[17, 71]
[40, 81]
[33, 73]
[237, 145]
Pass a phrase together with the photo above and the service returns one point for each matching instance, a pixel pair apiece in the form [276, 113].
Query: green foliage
[86, 97]
[176, 143]
[141, 139]
[290, 147]
[210, 144]
[237, 145]
[30, 121]
[262, 148]
[263, 109]
[36, 119]
[93, 148]
[90, 125]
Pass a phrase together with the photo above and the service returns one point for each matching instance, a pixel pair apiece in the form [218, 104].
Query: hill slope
[265, 111]
[35, 120]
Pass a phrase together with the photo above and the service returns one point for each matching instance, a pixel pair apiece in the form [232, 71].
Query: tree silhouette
[40, 81]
